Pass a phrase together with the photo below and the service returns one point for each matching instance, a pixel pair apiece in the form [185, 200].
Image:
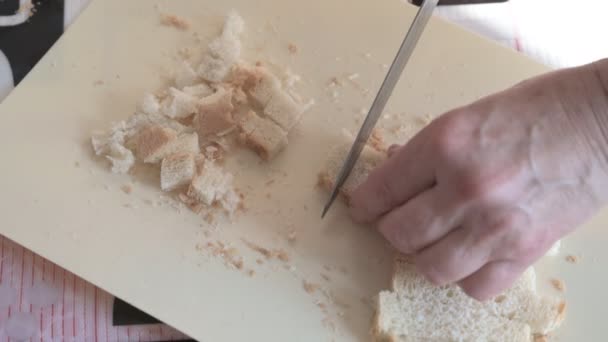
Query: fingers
[456, 256]
[420, 222]
[408, 172]
[492, 279]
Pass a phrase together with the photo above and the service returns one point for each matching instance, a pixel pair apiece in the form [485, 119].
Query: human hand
[486, 189]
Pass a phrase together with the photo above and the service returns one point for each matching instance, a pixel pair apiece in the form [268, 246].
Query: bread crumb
[573, 259]
[322, 306]
[282, 255]
[270, 182]
[325, 277]
[98, 83]
[127, 189]
[250, 273]
[268, 195]
[76, 164]
[148, 202]
[540, 338]
[310, 287]
[292, 48]
[291, 237]
[558, 284]
[256, 248]
[259, 261]
[174, 21]
[376, 141]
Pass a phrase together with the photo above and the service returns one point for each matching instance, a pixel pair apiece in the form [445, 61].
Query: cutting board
[60, 201]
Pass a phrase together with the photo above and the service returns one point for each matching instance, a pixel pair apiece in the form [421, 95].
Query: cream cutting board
[74, 215]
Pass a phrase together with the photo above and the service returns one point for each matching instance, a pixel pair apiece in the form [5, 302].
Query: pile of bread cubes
[187, 128]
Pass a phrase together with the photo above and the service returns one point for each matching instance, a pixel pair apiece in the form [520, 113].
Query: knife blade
[392, 77]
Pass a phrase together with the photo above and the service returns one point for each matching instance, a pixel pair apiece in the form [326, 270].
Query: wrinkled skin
[486, 189]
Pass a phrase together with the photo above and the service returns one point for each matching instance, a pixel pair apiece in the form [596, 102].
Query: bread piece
[199, 90]
[186, 76]
[214, 113]
[176, 170]
[520, 303]
[368, 160]
[210, 184]
[265, 87]
[283, 110]
[150, 140]
[261, 135]
[224, 50]
[403, 319]
[150, 104]
[179, 104]
[122, 158]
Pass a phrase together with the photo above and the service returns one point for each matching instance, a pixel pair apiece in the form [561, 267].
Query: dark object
[459, 2]
[25, 43]
[125, 314]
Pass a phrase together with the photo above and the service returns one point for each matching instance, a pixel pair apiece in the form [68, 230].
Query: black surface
[8, 7]
[460, 2]
[25, 44]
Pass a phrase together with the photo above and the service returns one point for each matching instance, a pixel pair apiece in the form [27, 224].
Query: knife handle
[458, 2]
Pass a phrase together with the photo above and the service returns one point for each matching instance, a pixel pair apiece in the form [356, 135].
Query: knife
[394, 73]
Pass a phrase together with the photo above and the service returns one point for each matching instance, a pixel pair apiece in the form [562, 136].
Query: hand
[485, 190]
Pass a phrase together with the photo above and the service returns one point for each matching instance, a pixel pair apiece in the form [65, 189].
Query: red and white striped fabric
[40, 301]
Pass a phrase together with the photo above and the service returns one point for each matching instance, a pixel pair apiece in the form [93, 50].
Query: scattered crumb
[128, 205]
[259, 261]
[327, 322]
[98, 83]
[325, 277]
[540, 338]
[291, 237]
[376, 141]
[327, 268]
[268, 195]
[127, 189]
[76, 164]
[334, 82]
[229, 255]
[148, 202]
[174, 21]
[293, 49]
[250, 273]
[558, 285]
[256, 248]
[305, 207]
[573, 259]
[310, 287]
[270, 182]
[353, 76]
[282, 255]
[343, 270]
[322, 306]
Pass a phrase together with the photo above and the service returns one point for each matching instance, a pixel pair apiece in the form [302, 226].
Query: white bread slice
[265, 86]
[187, 142]
[283, 110]
[368, 160]
[177, 170]
[519, 303]
[403, 319]
[262, 135]
[210, 183]
[179, 104]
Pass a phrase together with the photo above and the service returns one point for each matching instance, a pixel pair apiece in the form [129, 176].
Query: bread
[150, 104]
[186, 76]
[223, 50]
[265, 86]
[261, 135]
[214, 114]
[368, 160]
[122, 159]
[519, 303]
[404, 319]
[176, 170]
[198, 90]
[283, 110]
[155, 142]
[210, 184]
[179, 104]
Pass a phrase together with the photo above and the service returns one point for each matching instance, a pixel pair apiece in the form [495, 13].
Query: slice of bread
[262, 135]
[186, 76]
[519, 303]
[150, 140]
[179, 104]
[404, 319]
[224, 50]
[368, 160]
[177, 170]
[265, 86]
